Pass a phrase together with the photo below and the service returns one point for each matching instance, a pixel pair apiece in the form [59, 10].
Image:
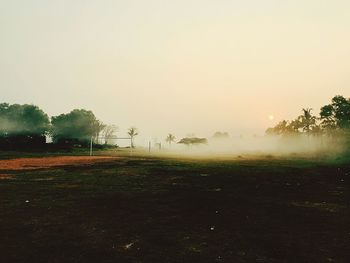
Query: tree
[98, 127]
[304, 123]
[316, 130]
[293, 127]
[132, 132]
[280, 129]
[109, 132]
[193, 141]
[221, 135]
[23, 125]
[307, 120]
[78, 126]
[337, 114]
[270, 131]
[170, 139]
[328, 121]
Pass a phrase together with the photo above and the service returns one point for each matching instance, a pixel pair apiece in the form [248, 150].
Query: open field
[152, 209]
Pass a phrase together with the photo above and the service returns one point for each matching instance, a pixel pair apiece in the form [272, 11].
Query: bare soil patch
[47, 162]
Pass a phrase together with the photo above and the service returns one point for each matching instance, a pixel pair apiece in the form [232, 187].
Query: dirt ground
[147, 210]
[46, 162]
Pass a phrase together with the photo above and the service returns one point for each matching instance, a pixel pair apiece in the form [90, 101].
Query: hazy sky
[181, 66]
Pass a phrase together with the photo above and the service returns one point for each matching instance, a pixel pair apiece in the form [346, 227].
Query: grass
[166, 209]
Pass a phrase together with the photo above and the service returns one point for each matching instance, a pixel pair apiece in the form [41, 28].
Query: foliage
[78, 126]
[221, 135]
[328, 122]
[132, 132]
[285, 128]
[170, 139]
[337, 114]
[22, 125]
[307, 121]
[23, 120]
[193, 141]
[334, 119]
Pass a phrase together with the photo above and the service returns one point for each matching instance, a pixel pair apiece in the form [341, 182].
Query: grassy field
[152, 209]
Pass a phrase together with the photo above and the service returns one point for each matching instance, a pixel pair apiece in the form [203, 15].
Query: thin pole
[131, 145]
[91, 146]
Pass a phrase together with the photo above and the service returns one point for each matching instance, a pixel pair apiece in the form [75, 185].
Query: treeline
[332, 121]
[27, 126]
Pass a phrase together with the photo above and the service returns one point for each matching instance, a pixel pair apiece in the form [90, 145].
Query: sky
[182, 67]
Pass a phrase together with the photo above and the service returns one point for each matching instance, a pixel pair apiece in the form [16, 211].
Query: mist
[251, 146]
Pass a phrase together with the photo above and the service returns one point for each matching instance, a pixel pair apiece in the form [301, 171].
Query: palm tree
[170, 139]
[132, 132]
[307, 120]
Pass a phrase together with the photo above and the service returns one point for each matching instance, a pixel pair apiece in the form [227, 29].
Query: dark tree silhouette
[193, 141]
[293, 127]
[22, 125]
[280, 129]
[287, 128]
[307, 120]
[328, 121]
[132, 132]
[334, 120]
[337, 114]
[76, 127]
[170, 139]
[221, 135]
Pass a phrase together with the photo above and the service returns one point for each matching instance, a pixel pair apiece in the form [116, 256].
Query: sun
[271, 117]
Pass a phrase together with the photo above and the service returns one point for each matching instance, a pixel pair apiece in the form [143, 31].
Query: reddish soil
[47, 162]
